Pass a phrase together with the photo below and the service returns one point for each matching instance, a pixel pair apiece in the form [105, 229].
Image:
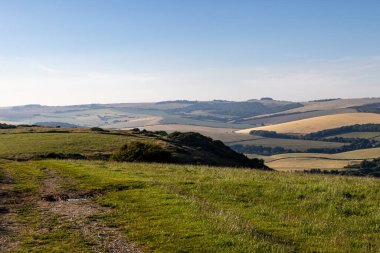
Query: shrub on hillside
[141, 152]
[98, 129]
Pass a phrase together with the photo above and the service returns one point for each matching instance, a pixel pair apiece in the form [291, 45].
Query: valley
[152, 186]
[227, 121]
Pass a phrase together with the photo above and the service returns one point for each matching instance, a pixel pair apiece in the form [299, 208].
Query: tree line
[320, 135]
[365, 168]
[324, 135]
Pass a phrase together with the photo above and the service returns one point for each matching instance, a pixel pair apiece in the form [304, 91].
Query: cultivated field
[279, 118]
[81, 206]
[302, 161]
[309, 162]
[362, 135]
[300, 145]
[334, 104]
[320, 123]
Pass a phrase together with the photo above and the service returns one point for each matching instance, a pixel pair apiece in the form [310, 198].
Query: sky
[60, 52]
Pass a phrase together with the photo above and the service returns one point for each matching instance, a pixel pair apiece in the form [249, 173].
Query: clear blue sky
[88, 51]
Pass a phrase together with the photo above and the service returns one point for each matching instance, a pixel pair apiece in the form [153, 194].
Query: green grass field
[86, 143]
[170, 208]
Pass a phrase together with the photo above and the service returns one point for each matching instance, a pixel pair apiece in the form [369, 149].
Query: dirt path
[9, 226]
[71, 207]
[79, 210]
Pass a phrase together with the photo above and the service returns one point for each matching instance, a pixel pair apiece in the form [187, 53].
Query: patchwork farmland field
[300, 145]
[306, 161]
[320, 123]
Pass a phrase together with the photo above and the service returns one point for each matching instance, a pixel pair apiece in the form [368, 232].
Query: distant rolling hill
[185, 114]
[215, 113]
[228, 121]
[314, 109]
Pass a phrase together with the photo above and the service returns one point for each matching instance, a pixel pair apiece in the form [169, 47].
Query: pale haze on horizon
[93, 51]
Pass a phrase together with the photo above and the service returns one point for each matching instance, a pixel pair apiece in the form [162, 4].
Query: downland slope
[314, 109]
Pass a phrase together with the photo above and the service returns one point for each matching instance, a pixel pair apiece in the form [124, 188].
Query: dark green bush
[98, 129]
[141, 152]
[6, 126]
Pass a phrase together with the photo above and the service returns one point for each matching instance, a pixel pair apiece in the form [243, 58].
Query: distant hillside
[56, 124]
[219, 110]
[372, 108]
[215, 113]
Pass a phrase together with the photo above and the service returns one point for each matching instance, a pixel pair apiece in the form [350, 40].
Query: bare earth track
[74, 208]
[8, 223]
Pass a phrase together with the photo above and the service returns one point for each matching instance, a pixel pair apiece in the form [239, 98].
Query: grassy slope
[24, 144]
[168, 208]
[186, 148]
[320, 123]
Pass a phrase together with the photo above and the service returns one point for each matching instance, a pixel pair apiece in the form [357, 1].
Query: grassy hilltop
[25, 143]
